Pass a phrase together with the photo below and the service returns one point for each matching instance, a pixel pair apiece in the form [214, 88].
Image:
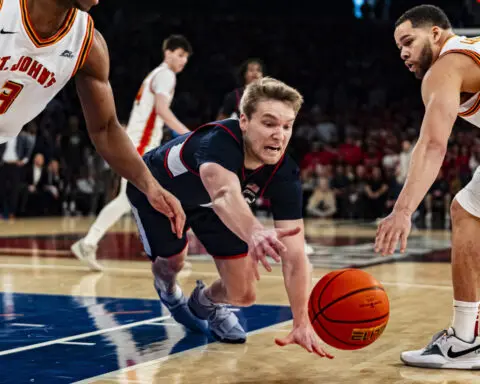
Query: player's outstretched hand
[268, 242]
[305, 336]
[166, 203]
[395, 227]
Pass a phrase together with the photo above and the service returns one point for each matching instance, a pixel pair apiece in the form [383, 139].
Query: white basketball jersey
[33, 69]
[145, 127]
[470, 109]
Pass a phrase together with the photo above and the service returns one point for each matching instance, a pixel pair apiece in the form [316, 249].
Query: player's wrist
[301, 320]
[403, 210]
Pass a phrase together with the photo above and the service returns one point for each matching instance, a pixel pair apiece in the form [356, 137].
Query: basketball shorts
[469, 196]
[159, 240]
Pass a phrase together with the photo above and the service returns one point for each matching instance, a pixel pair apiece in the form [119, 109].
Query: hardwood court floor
[59, 323]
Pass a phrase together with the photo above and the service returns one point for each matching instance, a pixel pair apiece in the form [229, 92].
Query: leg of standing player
[85, 249]
[457, 347]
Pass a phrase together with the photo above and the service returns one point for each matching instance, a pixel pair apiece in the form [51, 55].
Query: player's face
[176, 59]
[85, 5]
[416, 47]
[254, 72]
[268, 132]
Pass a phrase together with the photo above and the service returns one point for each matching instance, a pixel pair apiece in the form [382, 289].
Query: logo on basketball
[368, 334]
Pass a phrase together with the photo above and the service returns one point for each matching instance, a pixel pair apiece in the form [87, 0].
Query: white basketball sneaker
[445, 351]
[87, 254]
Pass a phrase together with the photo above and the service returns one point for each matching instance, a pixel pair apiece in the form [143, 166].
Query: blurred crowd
[352, 140]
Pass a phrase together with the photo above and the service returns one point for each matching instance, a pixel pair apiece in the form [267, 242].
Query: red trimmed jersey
[34, 69]
[145, 127]
[176, 166]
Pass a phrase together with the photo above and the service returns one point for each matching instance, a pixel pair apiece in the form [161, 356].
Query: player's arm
[110, 138]
[225, 192]
[441, 95]
[296, 271]
[162, 108]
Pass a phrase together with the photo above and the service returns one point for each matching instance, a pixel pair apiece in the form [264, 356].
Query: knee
[171, 265]
[242, 296]
[457, 213]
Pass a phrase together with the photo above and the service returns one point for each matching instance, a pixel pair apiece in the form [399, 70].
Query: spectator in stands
[33, 203]
[404, 163]
[376, 190]
[14, 154]
[438, 197]
[322, 202]
[340, 185]
[252, 69]
[53, 189]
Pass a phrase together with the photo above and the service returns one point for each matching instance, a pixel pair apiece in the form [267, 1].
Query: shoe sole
[446, 365]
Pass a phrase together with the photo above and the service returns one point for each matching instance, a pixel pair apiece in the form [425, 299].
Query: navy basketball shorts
[159, 240]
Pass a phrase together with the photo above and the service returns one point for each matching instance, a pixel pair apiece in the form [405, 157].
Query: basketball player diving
[44, 43]
[216, 172]
[449, 67]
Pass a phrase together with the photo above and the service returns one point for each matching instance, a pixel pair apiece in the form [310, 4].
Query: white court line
[192, 272]
[28, 325]
[32, 251]
[111, 375]
[76, 343]
[165, 324]
[80, 336]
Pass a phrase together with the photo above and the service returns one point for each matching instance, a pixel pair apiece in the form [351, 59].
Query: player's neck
[47, 16]
[251, 161]
[168, 65]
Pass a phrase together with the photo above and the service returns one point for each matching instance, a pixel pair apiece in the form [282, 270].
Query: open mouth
[272, 149]
[410, 66]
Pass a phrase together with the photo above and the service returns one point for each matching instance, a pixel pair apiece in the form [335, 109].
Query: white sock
[171, 297]
[109, 215]
[464, 319]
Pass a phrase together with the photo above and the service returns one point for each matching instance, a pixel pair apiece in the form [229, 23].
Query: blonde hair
[268, 88]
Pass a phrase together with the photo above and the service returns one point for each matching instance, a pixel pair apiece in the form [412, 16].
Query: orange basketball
[349, 309]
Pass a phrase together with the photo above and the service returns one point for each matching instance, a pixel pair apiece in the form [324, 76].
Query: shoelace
[439, 335]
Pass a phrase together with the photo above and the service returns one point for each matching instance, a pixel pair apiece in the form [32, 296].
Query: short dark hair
[174, 42]
[244, 66]
[425, 15]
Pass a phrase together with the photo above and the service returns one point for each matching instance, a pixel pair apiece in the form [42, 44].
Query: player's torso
[470, 103]
[33, 70]
[144, 126]
[174, 165]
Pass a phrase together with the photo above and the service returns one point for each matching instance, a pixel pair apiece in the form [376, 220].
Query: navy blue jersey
[176, 166]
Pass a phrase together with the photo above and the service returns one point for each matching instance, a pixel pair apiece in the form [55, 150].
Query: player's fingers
[164, 206]
[318, 350]
[271, 252]
[393, 243]
[172, 225]
[379, 239]
[282, 341]
[276, 244]
[403, 242]
[386, 242]
[256, 271]
[265, 263]
[284, 232]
